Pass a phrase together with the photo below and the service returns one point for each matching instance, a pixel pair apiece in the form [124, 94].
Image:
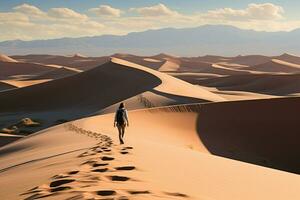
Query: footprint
[60, 176]
[135, 192]
[125, 148]
[176, 194]
[73, 172]
[89, 162]
[106, 158]
[123, 198]
[100, 164]
[119, 178]
[106, 192]
[124, 152]
[100, 170]
[62, 188]
[76, 197]
[37, 196]
[125, 168]
[61, 182]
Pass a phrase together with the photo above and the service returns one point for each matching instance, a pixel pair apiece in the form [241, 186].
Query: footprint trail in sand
[99, 170]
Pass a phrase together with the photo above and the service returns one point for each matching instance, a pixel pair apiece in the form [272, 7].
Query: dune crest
[173, 85]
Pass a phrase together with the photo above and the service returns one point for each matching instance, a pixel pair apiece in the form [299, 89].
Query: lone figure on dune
[121, 120]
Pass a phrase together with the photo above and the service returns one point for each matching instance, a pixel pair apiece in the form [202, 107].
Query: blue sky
[73, 18]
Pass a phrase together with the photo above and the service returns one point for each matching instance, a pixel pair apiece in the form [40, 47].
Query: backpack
[121, 116]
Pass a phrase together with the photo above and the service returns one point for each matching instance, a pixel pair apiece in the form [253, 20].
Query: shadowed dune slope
[55, 74]
[86, 90]
[8, 69]
[263, 132]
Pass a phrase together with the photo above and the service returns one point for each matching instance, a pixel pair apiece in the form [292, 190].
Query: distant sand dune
[5, 58]
[288, 58]
[276, 65]
[12, 69]
[6, 86]
[60, 72]
[78, 62]
[281, 85]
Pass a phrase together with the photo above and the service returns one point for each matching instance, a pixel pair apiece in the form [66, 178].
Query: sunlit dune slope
[165, 144]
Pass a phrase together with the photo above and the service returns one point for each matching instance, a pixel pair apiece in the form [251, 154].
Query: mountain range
[208, 39]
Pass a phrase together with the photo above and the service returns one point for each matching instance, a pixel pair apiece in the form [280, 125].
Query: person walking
[121, 121]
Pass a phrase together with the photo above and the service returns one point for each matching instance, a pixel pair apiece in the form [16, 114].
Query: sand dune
[169, 65]
[78, 62]
[247, 133]
[78, 55]
[184, 142]
[85, 93]
[152, 60]
[5, 58]
[209, 58]
[58, 73]
[8, 70]
[276, 65]
[288, 58]
[281, 85]
[141, 60]
[25, 83]
[96, 78]
[93, 165]
[250, 60]
[173, 86]
[6, 86]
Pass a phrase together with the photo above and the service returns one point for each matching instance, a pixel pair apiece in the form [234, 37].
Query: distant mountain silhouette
[208, 39]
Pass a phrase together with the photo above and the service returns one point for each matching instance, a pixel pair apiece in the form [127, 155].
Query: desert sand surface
[208, 127]
[87, 162]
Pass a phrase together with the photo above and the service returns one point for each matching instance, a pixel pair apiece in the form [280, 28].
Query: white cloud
[29, 22]
[13, 17]
[265, 11]
[29, 10]
[157, 10]
[106, 10]
[66, 13]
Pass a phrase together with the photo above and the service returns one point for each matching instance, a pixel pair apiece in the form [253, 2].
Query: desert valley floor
[207, 127]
